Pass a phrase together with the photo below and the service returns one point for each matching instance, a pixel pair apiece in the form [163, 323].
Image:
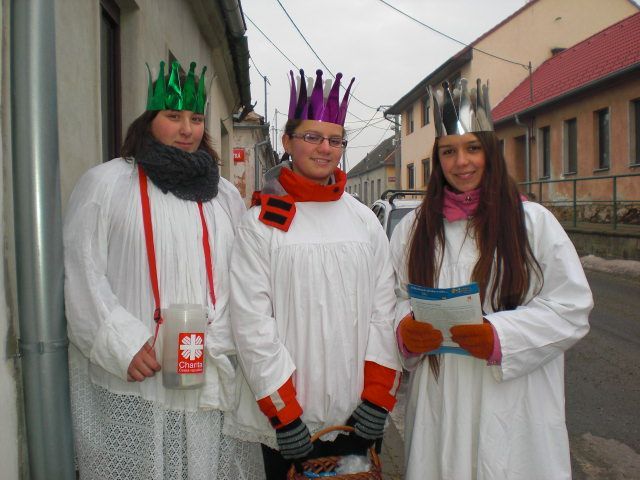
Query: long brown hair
[140, 130]
[506, 266]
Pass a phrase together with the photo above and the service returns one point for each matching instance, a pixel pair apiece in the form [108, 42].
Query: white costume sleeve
[554, 319]
[399, 254]
[106, 333]
[219, 391]
[265, 361]
[381, 347]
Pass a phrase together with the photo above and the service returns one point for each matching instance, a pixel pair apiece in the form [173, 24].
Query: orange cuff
[380, 385]
[281, 407]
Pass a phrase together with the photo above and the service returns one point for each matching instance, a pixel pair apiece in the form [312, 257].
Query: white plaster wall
[9, 439]
[149, 30]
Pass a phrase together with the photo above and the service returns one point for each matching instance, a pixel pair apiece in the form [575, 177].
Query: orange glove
[419, 337]
[477, 339]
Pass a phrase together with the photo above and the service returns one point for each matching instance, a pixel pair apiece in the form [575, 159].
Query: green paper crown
[173, 96]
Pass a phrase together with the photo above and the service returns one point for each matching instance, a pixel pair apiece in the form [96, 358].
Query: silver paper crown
[460, 111]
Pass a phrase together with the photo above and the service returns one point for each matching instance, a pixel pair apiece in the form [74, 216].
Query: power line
[450, 37]
[269, 40]
[362, 129]
[316, 54]
[255, 66]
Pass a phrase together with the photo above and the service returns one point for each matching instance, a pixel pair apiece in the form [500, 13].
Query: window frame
[544, 152]
[600, 128]
[570, 146]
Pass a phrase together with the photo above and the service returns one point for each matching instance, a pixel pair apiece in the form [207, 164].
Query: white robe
[315, 302]
[140, 429]
[504, 422]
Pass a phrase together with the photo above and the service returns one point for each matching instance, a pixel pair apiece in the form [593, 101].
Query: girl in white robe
[312, 301]
[496, 413]
[127, 425]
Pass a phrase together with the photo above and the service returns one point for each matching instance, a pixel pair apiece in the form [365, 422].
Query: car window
[380, 214]
[395, 216]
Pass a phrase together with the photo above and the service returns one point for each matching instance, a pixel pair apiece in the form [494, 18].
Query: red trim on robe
[281, 407]
[380, 385]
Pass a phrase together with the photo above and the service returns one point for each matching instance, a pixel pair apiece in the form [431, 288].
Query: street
[603, 384]
[602, 378]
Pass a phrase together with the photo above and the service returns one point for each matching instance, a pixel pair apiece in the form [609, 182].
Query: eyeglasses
[317, 139]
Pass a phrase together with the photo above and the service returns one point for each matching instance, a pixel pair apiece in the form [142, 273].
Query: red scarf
[278, 210]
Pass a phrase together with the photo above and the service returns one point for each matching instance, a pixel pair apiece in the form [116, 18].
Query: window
[410, 125]
[602, 138]
[426, 171]
[426, 103]
[379, 188]
[110, 79]
[634, 130]
[544, 152]
[570, 146]
[410, 175]
[365, 193]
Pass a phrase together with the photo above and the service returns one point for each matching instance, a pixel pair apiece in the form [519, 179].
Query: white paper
[446, 307]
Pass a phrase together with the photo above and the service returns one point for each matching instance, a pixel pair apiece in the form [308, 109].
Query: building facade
[374, 174]
[523, 41]
[576, 123]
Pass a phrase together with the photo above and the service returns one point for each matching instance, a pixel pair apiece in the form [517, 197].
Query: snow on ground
[628, 268]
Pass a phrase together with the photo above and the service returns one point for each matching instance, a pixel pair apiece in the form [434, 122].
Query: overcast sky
[387, 52]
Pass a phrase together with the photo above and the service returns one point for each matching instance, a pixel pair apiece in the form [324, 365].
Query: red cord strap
[151, 252]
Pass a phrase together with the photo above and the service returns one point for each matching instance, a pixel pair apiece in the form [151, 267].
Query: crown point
[338, 76]
[319, 73]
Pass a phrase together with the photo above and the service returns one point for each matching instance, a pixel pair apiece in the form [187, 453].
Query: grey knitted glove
[294, 440]
[368, 420]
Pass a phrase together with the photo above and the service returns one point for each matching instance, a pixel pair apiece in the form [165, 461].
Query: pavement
[392, 455]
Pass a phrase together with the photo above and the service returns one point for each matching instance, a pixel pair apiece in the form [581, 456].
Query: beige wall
[243, 174]
[382, 173]
[615, 96]
[149, 30]
[528, 37]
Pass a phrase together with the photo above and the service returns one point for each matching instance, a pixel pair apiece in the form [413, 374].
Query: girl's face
[316, 162]
[463, 161]
[178, 128]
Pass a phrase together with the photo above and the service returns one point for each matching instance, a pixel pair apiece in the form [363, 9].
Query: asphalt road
[603, 384]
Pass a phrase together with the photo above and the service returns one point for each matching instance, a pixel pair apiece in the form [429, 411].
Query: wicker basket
[329, 464]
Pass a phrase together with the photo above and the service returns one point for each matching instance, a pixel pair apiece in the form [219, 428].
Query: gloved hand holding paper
[446, 307]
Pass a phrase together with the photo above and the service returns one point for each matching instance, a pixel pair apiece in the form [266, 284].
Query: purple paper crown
[316, 108]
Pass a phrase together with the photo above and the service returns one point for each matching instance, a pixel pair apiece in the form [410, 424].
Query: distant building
[531, 35]
[374, 174]
[252, 154]
[577, 117]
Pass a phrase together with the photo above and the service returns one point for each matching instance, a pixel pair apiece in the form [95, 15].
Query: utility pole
[266, 80]
[275, 133]
[398, 158]
[397, 141]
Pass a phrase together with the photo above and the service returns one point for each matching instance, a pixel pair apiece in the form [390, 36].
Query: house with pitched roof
[578, 117]
[374, 173]
[505, 55]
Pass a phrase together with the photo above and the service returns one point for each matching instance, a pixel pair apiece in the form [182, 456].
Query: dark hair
[140, 130]
[506, 265]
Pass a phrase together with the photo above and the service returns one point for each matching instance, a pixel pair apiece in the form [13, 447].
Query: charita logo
[190, 353]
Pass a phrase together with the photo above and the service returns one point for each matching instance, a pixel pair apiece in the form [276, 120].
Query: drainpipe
[38, 239]
[527, 152]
